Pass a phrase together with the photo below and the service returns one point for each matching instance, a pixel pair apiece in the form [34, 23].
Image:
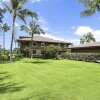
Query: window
[59, 45]
[42, 44]
[34, 51]
[65, 45]
[42, 51]
[34, 44]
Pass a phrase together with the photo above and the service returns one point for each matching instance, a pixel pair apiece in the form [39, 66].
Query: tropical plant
[91, 7]
[16, 8]
[33, 29]
[87, 38]
[87, 57]
[4, 27]
[82, 40]
[51, 51]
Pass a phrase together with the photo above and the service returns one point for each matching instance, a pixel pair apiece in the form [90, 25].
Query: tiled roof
[94, 44]
[41, 39]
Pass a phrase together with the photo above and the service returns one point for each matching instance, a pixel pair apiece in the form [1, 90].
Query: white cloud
[73, 27]
[34, 1]
[5, 0]
[74, 41]
[81, 30]
[53, 37]
[44, 24]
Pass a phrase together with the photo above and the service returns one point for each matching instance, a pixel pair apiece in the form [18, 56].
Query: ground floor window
[34, 51]
[42, 51]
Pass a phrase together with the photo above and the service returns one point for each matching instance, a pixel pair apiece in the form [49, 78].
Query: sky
[60, 19]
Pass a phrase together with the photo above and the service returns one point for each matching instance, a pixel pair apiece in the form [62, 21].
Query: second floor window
[34, 44]
[59, 45]
[42, 44]
[65, 45]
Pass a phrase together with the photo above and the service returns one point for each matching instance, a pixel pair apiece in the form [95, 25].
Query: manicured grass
[49, 80]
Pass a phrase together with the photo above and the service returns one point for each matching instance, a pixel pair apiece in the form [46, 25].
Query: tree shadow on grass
[6, 85]
[28, 97]
[35, 62]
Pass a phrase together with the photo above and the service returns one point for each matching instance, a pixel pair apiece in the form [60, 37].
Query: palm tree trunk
[32, 47]
[4, 42]
[13, 27]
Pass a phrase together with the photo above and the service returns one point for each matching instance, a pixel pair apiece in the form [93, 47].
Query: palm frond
[1, 26]
[21, 17]
[91, 6]
[24, 28]
[7, 7]
[23, 1]
[6, 27]
[30, 13]
[88, 12]
[41, 31]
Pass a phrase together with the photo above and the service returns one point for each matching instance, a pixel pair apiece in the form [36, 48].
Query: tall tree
[33, 29]
[87, 38]
[92, 6]
[4, 27]
[16, 8]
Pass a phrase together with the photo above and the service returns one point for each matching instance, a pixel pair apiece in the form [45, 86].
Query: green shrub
[51, 51]
[82, 57]
[4, 57]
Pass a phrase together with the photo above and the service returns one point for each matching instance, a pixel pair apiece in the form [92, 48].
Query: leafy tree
[26, 51]
[33, 29]
[16, 8]
[92, 6]
[87, 38]
[51, 51]
[4, 27]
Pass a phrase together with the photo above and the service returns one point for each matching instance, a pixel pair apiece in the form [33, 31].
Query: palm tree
[82, 41]
[33, 29]
[91, 7]
[16, 8]
[4, 27]
[87, 38]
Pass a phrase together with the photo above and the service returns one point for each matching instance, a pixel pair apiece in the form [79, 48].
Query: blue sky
[60, 19]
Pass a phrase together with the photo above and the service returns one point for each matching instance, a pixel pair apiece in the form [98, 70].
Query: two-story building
[39, 43]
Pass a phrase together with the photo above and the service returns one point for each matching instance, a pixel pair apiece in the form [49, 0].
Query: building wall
[86, 50]
[38, 49]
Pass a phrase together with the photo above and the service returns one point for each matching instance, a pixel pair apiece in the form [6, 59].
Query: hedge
[87, 57]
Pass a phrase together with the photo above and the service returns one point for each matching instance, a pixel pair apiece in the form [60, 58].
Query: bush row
[6, 56]
[82, 57]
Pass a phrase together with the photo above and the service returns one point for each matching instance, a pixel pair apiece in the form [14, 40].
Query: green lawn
[49, 80]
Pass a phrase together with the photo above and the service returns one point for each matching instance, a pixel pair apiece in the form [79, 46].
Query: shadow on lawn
[35, 62]
[30, 96]
[6, 86]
